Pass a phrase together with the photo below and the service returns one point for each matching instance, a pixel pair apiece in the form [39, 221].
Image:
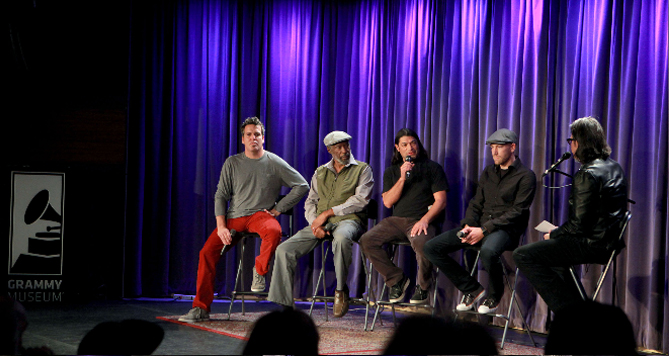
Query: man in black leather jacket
[597, 203]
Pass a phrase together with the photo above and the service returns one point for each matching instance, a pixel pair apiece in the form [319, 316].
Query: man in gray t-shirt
[250, 181]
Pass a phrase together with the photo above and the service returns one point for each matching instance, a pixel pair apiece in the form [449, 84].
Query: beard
[342, 161]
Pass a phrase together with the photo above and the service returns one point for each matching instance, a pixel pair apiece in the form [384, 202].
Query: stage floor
[62, 326]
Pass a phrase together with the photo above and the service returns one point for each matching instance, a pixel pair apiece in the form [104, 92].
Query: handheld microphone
[232, 233]
[564, 157]
[408, 159]
[461, 234]
[329, 228]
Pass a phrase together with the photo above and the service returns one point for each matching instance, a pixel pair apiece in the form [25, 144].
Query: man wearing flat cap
[494, 221]
[340, 191]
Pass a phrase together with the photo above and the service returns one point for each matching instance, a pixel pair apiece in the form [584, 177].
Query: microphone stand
[563, 173]
[555, 170]
[570, 176]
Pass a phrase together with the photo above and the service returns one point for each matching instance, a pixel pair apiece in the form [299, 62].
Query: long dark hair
[591, 140]
[397, 157]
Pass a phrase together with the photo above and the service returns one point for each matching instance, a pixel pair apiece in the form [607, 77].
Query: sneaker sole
[418, 301]
[404, 290]
[190, 321]
[257, 290]
[462, 307]
[487, 312]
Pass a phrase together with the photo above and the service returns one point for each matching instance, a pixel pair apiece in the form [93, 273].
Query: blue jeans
[492, 246]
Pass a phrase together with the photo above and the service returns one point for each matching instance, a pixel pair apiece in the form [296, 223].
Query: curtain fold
[454, 71]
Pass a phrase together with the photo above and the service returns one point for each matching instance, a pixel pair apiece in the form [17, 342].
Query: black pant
[492, 246]
[545, 264]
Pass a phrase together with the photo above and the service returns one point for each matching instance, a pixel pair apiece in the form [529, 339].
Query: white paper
[545, 227]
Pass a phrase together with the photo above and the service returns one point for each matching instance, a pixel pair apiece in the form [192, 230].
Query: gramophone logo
[36, 227]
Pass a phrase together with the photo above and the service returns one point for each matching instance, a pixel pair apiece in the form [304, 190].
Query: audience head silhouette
[127, 337]
[591, 328]
[13, 322]
[425, 335]
[286, 332]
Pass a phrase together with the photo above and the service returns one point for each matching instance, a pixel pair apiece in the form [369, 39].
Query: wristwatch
[484, 231]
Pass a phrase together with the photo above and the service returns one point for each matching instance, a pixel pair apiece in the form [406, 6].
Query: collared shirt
[502, 201]
[354, 204]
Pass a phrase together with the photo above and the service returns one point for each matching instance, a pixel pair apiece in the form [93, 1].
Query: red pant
[261, 223]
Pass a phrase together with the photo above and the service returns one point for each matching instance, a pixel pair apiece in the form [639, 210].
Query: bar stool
[620, 245]
[244, 237]
[372, 214]
[394, 248]
[513, 301]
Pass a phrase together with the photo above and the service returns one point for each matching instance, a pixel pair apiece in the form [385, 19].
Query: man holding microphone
[415, 188]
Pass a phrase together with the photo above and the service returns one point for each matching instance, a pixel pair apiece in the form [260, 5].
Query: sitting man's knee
[281, 251]
[429, 249]
[273, 231]
[519, 255]
[490, 253]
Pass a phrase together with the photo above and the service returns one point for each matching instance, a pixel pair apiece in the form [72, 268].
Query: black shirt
[427, 177]
[502, 200]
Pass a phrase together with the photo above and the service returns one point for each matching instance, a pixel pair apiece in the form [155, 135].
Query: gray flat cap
[335, 137]
[502, 136]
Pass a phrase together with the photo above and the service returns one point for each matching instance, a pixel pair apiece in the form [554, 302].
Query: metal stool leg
[321, 277]
[240, 273]
[369, 289]
[434, 293]
[522, 316]
[378, 306]
[579, 285]
[511, 303]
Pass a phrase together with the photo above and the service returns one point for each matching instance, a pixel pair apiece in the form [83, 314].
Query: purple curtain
[454, 71]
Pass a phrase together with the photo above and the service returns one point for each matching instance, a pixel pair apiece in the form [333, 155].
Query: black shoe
[489, 305]
[419, 296]
[470, 299]
[396, 294]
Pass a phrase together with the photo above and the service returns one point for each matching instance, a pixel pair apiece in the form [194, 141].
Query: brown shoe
[340, 303]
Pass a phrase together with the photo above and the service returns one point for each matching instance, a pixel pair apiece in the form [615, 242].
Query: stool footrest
[263, 294]
[474, 312]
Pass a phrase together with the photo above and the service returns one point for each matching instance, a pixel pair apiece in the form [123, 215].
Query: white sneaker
[470, 299]
[258, 284]
[194, 315]
[489, 305]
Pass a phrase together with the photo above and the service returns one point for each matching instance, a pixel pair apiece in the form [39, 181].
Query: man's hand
[419, 227]
[225, 235]
[319, 232]
[273, 212]
[404, 168]
[547, 236]
[474, 235]
[321, 220]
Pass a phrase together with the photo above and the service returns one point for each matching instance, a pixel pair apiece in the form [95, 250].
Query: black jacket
[502, 204]
[597, 202]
